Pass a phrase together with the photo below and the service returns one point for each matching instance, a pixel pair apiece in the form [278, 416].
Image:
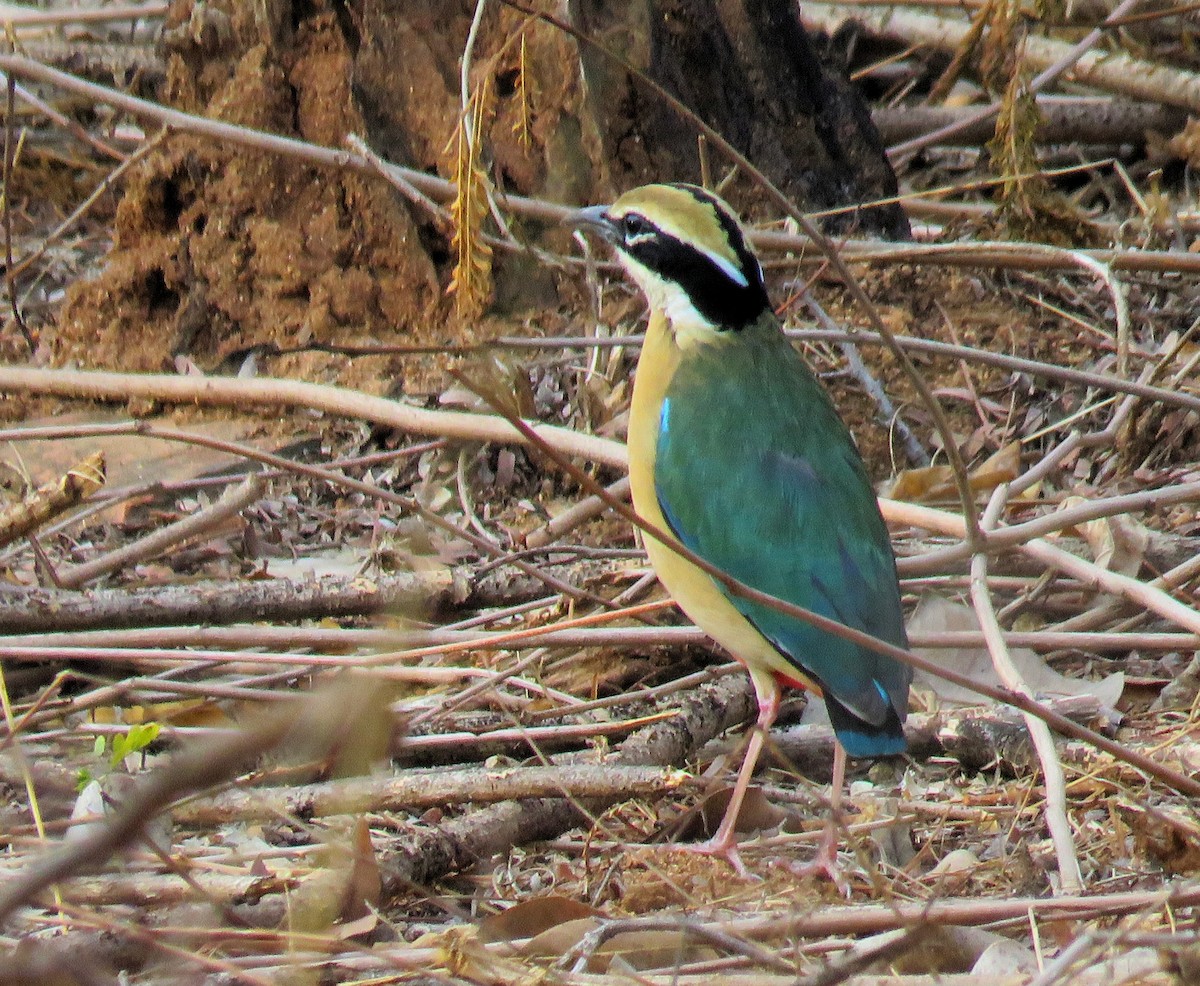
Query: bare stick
[215, 602]
[263, 391]
[232, 502]
[1083, 119]
[1070, 877]
[106, 14]
[577, 514]
[417, 789]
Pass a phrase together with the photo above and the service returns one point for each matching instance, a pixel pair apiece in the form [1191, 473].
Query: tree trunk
[747, 68]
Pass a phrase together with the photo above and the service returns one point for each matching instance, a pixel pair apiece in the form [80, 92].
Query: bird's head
[685, 249]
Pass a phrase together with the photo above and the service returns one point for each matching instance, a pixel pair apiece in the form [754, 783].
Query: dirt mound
[219, 250]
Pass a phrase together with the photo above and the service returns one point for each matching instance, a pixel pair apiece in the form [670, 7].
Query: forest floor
[322, 673]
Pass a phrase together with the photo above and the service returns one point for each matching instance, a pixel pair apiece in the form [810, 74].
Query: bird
[737, 451]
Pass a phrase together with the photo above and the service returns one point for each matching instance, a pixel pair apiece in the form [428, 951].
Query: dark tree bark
[747, 68]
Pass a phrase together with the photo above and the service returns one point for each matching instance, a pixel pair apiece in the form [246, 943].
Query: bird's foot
[824, 864]
[723, 848]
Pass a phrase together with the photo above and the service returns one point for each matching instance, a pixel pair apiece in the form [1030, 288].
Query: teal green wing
[757, 474]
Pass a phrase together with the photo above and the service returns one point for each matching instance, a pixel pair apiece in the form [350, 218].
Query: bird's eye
[635, 226]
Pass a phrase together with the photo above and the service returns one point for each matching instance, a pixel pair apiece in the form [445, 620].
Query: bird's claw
[824, 864]
[827, 868]
[726, 849]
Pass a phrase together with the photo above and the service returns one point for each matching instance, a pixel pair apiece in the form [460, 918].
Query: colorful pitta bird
[736, 449]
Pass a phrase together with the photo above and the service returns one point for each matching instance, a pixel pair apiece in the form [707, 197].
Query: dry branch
[1087, 120]
[265, 392]
[164, 890]
[1112, 71]
[24, 609]
[874, 918]
[429, 854]
[414, 790]
[29, 17]
[576, 515]
[339, 640]
[232, 502]
[976, 737]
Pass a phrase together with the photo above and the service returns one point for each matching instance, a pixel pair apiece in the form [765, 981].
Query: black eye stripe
[747, 262]
[721, 300]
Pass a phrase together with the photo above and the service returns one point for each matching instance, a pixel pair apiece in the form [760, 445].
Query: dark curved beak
[595, 218]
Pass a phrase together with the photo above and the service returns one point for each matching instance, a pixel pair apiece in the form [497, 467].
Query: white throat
[686, 322]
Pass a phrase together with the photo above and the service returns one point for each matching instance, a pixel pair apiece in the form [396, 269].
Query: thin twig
[233, 501]
[891, 418]
[1070, 877]
[264, 391]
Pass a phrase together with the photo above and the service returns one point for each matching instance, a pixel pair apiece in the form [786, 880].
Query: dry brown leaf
[1118, 543]
[359, 928]
[636, 950]
[364, 885]
[937, 482]
[532, 917]
[757, 814]
[936, 614]
[556, 941]
[954, 870]
[490, 383]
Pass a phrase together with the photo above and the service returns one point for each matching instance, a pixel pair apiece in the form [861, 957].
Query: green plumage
[757, 474]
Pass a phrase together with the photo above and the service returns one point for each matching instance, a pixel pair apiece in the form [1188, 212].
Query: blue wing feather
[757, 474]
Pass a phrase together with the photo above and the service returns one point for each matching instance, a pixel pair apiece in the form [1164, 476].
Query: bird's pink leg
[825, 862]
[724, 842]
